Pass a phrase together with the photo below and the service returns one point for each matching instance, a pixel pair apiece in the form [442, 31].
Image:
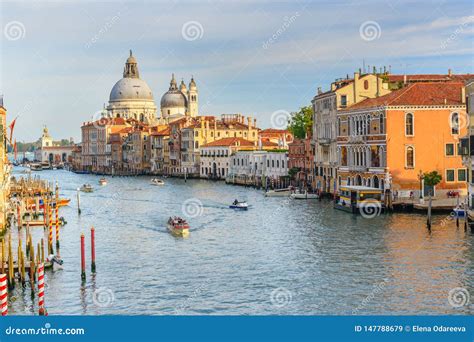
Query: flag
[12, 125]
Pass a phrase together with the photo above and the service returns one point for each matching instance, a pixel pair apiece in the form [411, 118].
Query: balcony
[357, 139]
[324, 141]
[357, 168]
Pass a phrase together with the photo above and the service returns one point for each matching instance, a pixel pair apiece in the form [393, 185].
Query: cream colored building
[343, 93]
[179, 102]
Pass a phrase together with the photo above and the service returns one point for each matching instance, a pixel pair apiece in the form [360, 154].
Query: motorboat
[358, 199]
[304, 195]
[157, 181]
[459, 211]
[239, 205]
[86, 188]
[278, 193]
[178, 226]
[102, 181]
[36, 167]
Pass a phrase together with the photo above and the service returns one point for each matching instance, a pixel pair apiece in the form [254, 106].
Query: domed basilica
[132, 98]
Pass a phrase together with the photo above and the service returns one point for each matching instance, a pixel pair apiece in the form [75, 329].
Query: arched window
[410, 157]
[454, 123]
[366, 84]
[376, 182]
[409, 124]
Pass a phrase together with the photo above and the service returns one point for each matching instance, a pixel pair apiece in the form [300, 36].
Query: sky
[60, 59]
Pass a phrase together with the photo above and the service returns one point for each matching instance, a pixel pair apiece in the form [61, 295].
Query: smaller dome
[173, 98]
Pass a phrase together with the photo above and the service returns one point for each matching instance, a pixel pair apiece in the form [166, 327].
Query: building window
[450, 149]
[410, 157]
[366, 84]
[454, 123]
[409, 124]
[461, 175]
[449, 175]
[343, 100]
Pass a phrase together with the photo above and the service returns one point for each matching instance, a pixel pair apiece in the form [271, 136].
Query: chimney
[450, 72]
[254, 123]
[249, 122]
[405, 79]
[463, 95]
[319, 90]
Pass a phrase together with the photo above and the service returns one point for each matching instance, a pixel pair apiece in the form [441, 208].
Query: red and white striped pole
[3, 294]
[42, 310]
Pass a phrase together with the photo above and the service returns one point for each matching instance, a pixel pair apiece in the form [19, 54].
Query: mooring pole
[83, 259]
[428, 221]
[3, 294]
[78, 202]
[56, 207]
[42, 310]
[93, 249]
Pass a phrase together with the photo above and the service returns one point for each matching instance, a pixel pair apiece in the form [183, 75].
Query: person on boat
[236, 202]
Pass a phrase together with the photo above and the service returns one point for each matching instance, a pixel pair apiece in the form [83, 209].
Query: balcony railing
[357, 168]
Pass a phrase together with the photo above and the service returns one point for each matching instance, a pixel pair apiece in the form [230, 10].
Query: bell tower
[193, 103]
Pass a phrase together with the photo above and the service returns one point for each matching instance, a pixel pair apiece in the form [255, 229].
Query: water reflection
[280, 257]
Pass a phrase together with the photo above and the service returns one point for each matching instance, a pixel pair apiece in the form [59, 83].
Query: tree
[293, 171]
[432, 178]
[301, 122]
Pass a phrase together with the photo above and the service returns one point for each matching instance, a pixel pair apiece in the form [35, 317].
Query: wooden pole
[78, 202]
[93, 250]
[11, 280]
[42, 310]
[50, 231]
[42, 250]
[428, 221]
[56, 207]
[83, 259]
[3, 294]
[3, 256]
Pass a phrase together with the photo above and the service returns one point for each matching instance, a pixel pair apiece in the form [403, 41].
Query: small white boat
[102, 181]
[239, 205]
[278, 193]
[87, 188]
[156, 181]
[304, 195]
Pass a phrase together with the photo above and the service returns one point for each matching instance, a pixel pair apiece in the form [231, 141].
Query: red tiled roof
[418, 94]
[163, 132]
[230, 142]
[429, 77]
[273, 130]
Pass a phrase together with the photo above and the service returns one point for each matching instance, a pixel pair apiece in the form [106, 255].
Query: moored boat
[102, 181]
[36, 167]
[157, 181]
[239, 205]
[178, 226]
[459, 211]
[278, 193]
[86, 188]
[362, 200]
[304, 195]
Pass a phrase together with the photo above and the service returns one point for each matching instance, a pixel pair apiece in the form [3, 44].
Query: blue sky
[249, 57]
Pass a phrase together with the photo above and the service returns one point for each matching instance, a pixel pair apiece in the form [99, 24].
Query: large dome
[131, 89]
[173, 98]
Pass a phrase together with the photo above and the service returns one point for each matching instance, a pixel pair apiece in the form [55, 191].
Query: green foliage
[293, 171]
[301, 122]
[432, 178]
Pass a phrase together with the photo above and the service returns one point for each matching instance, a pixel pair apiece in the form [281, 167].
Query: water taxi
[362, 200]
[36, 167]
[459, 211]
[102, 181]
[278, 193]
[239, 205]
[178, 226]
[156, 181]
[304, 195]
[86, 188]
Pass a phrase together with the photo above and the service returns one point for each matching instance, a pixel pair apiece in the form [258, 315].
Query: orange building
[387, 142]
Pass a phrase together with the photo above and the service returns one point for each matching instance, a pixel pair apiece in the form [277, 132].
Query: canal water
[280, 257]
